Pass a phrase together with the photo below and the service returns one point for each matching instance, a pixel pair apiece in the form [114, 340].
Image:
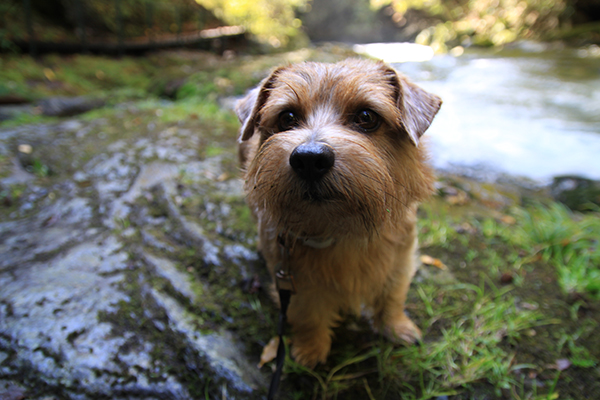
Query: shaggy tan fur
[362, 211]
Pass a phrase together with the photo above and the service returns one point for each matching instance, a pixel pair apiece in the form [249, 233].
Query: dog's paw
[403, 330]
[310, 352]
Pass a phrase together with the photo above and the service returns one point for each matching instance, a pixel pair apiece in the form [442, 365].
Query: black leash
[286, 287]
[284, 298]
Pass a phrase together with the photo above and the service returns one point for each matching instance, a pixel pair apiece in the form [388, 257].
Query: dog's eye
[367, 120]
[287, 120]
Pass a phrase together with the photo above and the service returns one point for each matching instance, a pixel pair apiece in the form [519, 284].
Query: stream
[529, 111]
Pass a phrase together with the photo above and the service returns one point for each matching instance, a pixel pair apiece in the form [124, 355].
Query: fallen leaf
[436, 262]
[269, 351]
[508, 220]
[222, 177]
[561, 364]
[460, 199]
[465, 227]
[49, 74]
[427, 260]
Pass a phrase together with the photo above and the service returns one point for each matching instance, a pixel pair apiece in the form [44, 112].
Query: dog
[334, 172]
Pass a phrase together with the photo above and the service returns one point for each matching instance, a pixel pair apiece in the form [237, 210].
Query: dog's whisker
[384, 191]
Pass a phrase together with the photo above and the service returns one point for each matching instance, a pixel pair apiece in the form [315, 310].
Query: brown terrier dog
[334, 171]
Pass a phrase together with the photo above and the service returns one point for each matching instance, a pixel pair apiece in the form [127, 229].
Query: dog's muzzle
[312, 160]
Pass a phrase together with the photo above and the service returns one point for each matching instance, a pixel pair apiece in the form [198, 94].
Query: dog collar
[284, 279]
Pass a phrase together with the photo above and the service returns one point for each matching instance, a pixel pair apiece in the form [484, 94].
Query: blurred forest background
[130, 265]
[291, 23]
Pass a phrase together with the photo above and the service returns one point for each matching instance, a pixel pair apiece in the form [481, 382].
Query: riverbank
[130, 267]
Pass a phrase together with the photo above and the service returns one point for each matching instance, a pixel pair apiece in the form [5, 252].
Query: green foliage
[212, 84]
[468, 350]
[77, 75]
[435, 228]
[39, 168]
[569, 242]
[206, 111]
[336, 379]
[163, 15]
[272, 21]
[482, 22]
[11, 194]
[25, 118]
[55, 21]
[555, 235]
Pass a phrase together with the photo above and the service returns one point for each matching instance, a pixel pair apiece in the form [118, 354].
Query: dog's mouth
[316, 193]
[314, 197]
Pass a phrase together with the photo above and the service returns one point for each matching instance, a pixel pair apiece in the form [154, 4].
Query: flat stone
[94, 301]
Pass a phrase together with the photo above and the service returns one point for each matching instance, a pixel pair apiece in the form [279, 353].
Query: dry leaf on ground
[436, 262]
[269, 352]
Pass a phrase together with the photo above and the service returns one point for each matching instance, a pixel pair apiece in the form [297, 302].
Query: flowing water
[527, 112]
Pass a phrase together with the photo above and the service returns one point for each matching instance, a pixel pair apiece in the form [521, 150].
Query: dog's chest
[352, 271]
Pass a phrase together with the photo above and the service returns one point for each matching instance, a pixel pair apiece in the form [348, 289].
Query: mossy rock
[577, 193]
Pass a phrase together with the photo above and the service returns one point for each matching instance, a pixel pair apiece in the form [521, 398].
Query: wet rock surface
[120, 275]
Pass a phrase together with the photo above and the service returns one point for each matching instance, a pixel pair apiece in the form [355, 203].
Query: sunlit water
[526, 114]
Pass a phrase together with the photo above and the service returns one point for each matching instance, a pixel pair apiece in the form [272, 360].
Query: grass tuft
[567, 241]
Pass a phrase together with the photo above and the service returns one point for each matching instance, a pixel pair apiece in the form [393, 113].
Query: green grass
[555, 235]
[70, 76]
[26, 118]
[569, 242]
[483, 337]
[471, 322]
[468, 350]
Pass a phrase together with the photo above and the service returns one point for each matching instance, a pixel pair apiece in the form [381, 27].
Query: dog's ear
[417, 107]
[248, 108]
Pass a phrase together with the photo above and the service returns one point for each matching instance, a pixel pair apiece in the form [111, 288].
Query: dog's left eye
[367, 120]
[287, 120]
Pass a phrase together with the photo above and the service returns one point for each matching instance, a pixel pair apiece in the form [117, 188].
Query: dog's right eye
[367, 120]
[287, 120]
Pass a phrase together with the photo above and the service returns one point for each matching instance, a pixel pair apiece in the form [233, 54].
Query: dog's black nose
[312, 160]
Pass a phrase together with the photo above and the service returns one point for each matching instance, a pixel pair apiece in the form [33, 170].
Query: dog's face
[338, 147]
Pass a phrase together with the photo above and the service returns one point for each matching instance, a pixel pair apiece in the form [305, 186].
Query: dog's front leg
[312, 314]
[389, 307]
[397, 326]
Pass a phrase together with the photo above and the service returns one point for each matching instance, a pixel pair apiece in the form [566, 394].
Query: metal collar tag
[284, 279]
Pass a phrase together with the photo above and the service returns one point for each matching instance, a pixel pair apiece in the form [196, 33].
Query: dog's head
[337, 146]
